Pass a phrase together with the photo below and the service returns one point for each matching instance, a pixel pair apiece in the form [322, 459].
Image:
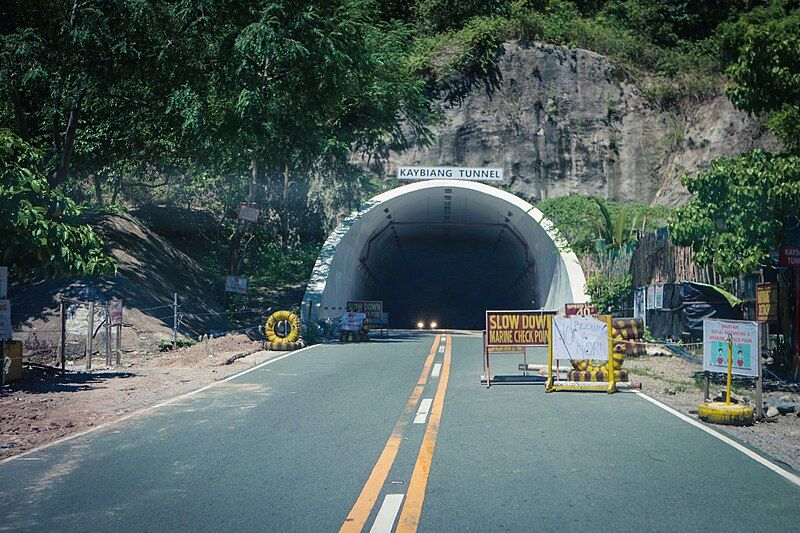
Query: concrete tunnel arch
[444, 250]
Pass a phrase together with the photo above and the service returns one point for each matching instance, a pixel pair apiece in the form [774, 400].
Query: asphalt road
[395, 433]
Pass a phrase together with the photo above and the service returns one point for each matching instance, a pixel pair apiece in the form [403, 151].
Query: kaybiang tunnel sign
[517, 328]
[449, 173]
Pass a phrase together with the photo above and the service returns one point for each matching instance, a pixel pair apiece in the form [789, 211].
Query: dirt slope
[150, 271]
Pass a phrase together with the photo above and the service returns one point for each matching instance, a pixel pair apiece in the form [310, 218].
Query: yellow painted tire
[729, 415]
[580, 364]
[274, 319]
[596, 375]
[282, 346]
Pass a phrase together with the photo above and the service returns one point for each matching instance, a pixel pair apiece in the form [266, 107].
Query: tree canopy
[742, 207]
[39, 226]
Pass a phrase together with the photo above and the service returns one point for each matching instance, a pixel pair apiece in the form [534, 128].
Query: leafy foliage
[741, 208]
[585, 219]
[38, 228]
[610, 294]
[766, 76]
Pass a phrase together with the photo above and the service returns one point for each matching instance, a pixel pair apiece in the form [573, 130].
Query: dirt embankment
[149, 272]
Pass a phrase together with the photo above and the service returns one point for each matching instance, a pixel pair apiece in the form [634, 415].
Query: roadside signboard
[789, 256]
[517, 328]
[248, 213]
[3, 282]
[658, 296]
[115, 312]
[236, 284]
[450, 173]
[5, 319]
[746, 346]
[580, 337]
[351, 321]
[372, 309]
[767, 302]
[580, 309]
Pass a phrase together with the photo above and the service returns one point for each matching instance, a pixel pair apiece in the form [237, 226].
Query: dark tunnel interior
[446, 273]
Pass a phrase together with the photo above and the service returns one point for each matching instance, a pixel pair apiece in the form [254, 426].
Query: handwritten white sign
[580, 337]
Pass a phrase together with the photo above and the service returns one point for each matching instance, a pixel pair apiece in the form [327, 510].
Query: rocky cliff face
[562, 123]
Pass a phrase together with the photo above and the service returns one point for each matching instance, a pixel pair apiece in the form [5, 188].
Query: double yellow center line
[409, 516]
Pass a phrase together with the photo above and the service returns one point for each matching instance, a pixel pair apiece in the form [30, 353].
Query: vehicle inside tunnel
[444, 251]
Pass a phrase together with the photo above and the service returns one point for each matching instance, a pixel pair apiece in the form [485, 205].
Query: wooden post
[63, 344]
[759, 381]
[119, 344]
[175, 322]
[707, 385]
[108, 336]
[89, 336]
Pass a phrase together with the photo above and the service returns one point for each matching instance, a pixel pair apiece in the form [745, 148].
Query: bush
[609, 294]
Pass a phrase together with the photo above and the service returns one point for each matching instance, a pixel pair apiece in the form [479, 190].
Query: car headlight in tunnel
[420, 325]
[434, 325]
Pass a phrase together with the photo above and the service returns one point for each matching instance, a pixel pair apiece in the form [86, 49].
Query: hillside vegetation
[205, 104]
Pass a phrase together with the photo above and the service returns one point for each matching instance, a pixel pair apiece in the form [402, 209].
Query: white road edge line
[422, 412]
[437, 369]
[727, 440]
[152, 407]
[387, 514]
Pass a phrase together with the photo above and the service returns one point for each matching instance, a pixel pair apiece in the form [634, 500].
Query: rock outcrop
[563, 122]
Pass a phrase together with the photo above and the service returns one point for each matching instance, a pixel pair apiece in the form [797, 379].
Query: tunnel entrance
[447, 273]
[444, 251]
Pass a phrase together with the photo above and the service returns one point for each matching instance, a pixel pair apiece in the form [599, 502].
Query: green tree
[742, 207]
[39, 232]
[766, 77]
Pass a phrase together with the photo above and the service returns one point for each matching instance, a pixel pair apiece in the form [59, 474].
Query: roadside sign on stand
[115, 312]
[372, 308]
[5, 319]
[580, 309]
[236, 284]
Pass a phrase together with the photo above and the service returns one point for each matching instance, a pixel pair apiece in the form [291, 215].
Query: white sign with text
[746, 345]
[450, 173]
[580, 337]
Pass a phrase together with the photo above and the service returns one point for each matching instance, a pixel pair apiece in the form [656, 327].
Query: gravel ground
[677, 383]
[44, 407]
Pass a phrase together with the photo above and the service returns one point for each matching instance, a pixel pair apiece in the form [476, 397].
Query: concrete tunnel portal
[444, 251]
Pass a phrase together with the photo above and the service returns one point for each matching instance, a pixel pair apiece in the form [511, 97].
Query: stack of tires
[283, 332]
